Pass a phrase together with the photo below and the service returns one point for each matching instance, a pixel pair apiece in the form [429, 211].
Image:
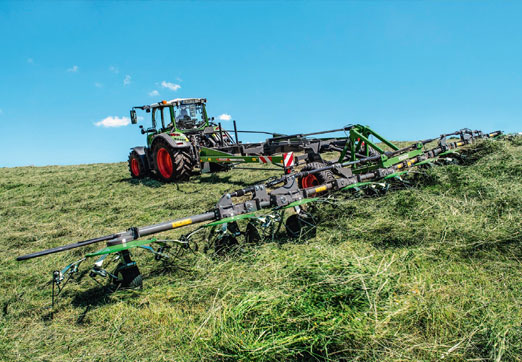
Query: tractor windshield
[189, 116]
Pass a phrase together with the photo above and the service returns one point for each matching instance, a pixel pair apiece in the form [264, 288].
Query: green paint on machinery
[301, 202]
[231, 219]
[120, 247]
[279, 204]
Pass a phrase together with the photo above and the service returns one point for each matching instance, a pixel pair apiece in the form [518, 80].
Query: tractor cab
[177, 115]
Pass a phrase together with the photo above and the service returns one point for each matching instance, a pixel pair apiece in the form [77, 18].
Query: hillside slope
[428, 272]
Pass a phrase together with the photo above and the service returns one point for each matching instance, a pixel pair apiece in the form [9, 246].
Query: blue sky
[409, 69]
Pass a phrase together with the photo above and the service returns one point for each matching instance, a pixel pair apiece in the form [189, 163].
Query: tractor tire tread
[181, 161]
[143, 169]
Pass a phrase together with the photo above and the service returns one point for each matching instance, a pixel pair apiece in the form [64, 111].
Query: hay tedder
[282, 204]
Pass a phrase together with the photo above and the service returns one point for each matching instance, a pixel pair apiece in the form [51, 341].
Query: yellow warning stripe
[320, 189]
[177, 224]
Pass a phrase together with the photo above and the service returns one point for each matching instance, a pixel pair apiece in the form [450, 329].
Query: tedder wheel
[172, 164]
[137, 167]
[225, 244]
[301, 226]
[315, 179]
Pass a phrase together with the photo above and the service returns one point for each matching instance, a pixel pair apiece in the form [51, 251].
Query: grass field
[428, 272]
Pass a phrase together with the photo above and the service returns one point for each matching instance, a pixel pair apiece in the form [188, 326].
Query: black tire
[225, 245]
[317, 178]
[136, 283]
[137, 167]
[252, 235]
[301, 226]
[128, 277]
[180, 162]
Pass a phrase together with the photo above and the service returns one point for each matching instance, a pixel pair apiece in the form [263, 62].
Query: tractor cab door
[163, 116]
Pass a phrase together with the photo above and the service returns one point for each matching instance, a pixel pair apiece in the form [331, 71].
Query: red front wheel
[137, 167]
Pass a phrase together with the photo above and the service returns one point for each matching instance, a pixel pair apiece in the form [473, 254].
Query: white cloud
[225, 117]
[30, 60]
[154, 93]
[113, 122]
[98, 85]
[127, 80]
[73, 69]
[171, 86]
[114, 69]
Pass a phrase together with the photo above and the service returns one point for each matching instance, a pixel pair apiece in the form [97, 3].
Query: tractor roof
[174, 102]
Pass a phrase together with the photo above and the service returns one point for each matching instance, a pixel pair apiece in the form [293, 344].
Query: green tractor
[179, 128]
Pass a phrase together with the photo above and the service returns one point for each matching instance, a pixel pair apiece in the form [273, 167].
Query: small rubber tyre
[136, 283]
[225, 244]
[137, 167]
[301, 226]
[128, 277]
[252, 235]
[171, 164]
[317, 178]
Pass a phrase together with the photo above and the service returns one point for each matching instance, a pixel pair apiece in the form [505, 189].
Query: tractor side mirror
[134, 118]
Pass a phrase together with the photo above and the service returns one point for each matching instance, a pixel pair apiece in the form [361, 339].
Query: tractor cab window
[189, 116]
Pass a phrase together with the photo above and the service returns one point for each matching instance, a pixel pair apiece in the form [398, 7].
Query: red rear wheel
[164, 161]
[309, 181]
[135, 167]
